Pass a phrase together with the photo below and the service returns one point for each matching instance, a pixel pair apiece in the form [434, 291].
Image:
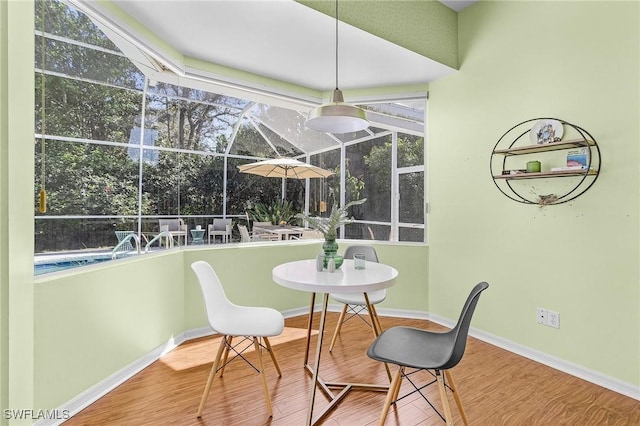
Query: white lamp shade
[337, 117]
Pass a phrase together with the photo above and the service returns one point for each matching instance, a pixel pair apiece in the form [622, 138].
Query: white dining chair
[354, 303]
[230, 320]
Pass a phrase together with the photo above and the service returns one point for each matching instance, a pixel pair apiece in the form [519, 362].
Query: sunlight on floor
[199, 352]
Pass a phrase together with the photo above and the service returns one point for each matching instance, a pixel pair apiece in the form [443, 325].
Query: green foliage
[276, 212]
[410, 153]
[328, 226]
[353, 185]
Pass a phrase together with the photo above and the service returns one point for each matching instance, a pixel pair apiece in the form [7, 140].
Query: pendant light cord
[336, 44]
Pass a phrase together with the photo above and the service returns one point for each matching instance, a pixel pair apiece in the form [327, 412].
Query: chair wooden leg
[376, 327]
[273, 356]
[227, 347]
[265, 388]
[377, 319]
[456, 395]
[397, 389]
[443, 396]
[394, 388]
[338, 327]
[212, 374]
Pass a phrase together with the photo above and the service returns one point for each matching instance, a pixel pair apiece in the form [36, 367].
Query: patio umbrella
[284, 168]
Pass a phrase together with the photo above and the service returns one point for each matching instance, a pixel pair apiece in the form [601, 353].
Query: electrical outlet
[553, 319]
[541, 316]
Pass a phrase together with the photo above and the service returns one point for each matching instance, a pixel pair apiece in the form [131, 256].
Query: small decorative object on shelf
[546, 131]
[578, 158]
[514, 172]
[511, 158]
[533, 167]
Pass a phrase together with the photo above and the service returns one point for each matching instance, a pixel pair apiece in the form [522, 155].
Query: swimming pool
[51, 265]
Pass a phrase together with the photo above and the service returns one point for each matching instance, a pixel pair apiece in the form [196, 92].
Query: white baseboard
[105, 386]
[576, 370]
[94, 393]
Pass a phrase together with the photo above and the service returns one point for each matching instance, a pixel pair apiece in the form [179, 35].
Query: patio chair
[220, 228]
[175, 227]
[259, 224]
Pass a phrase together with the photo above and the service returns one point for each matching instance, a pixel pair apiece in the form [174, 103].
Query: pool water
[61, 265]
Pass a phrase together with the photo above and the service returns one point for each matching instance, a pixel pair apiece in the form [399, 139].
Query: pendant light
[337, 116]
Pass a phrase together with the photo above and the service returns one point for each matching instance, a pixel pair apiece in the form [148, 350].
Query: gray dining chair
[354, 303]
[417, 349]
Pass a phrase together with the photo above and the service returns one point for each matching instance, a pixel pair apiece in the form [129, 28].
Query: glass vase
[330, 248]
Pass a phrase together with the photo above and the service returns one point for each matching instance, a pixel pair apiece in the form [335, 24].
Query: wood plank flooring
[496, 386]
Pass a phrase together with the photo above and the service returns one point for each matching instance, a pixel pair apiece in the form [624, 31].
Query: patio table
[285, 232]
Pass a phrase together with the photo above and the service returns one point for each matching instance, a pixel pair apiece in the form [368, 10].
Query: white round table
[302, 275]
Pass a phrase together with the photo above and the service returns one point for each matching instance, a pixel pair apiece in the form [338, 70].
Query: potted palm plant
[328, 226]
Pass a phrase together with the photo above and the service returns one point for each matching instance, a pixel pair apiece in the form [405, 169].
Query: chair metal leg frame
[394, 391]
[229, 346]
[223, 354]
[355, 311]
[238, 352]
[334, 399]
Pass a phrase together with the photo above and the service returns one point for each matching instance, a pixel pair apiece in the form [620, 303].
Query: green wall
[16, 203]
[578, 61]
[90, 324]
[426, 27]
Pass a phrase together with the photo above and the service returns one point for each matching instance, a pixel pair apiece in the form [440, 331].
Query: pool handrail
[114, 252]
[167, 234]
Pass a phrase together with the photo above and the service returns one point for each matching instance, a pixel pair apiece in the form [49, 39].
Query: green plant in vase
[328, 226]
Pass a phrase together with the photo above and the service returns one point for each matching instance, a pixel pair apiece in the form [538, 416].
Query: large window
[117, 150]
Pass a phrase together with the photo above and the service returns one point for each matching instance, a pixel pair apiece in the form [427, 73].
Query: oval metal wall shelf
[515, 143]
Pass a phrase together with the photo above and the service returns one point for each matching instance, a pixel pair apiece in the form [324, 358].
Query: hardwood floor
[496, 387]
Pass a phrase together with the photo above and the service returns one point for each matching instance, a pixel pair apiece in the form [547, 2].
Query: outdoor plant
[278, 212]
[328, 226]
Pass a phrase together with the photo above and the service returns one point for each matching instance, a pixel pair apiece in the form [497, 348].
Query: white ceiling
[458, 5]
[283, 40]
